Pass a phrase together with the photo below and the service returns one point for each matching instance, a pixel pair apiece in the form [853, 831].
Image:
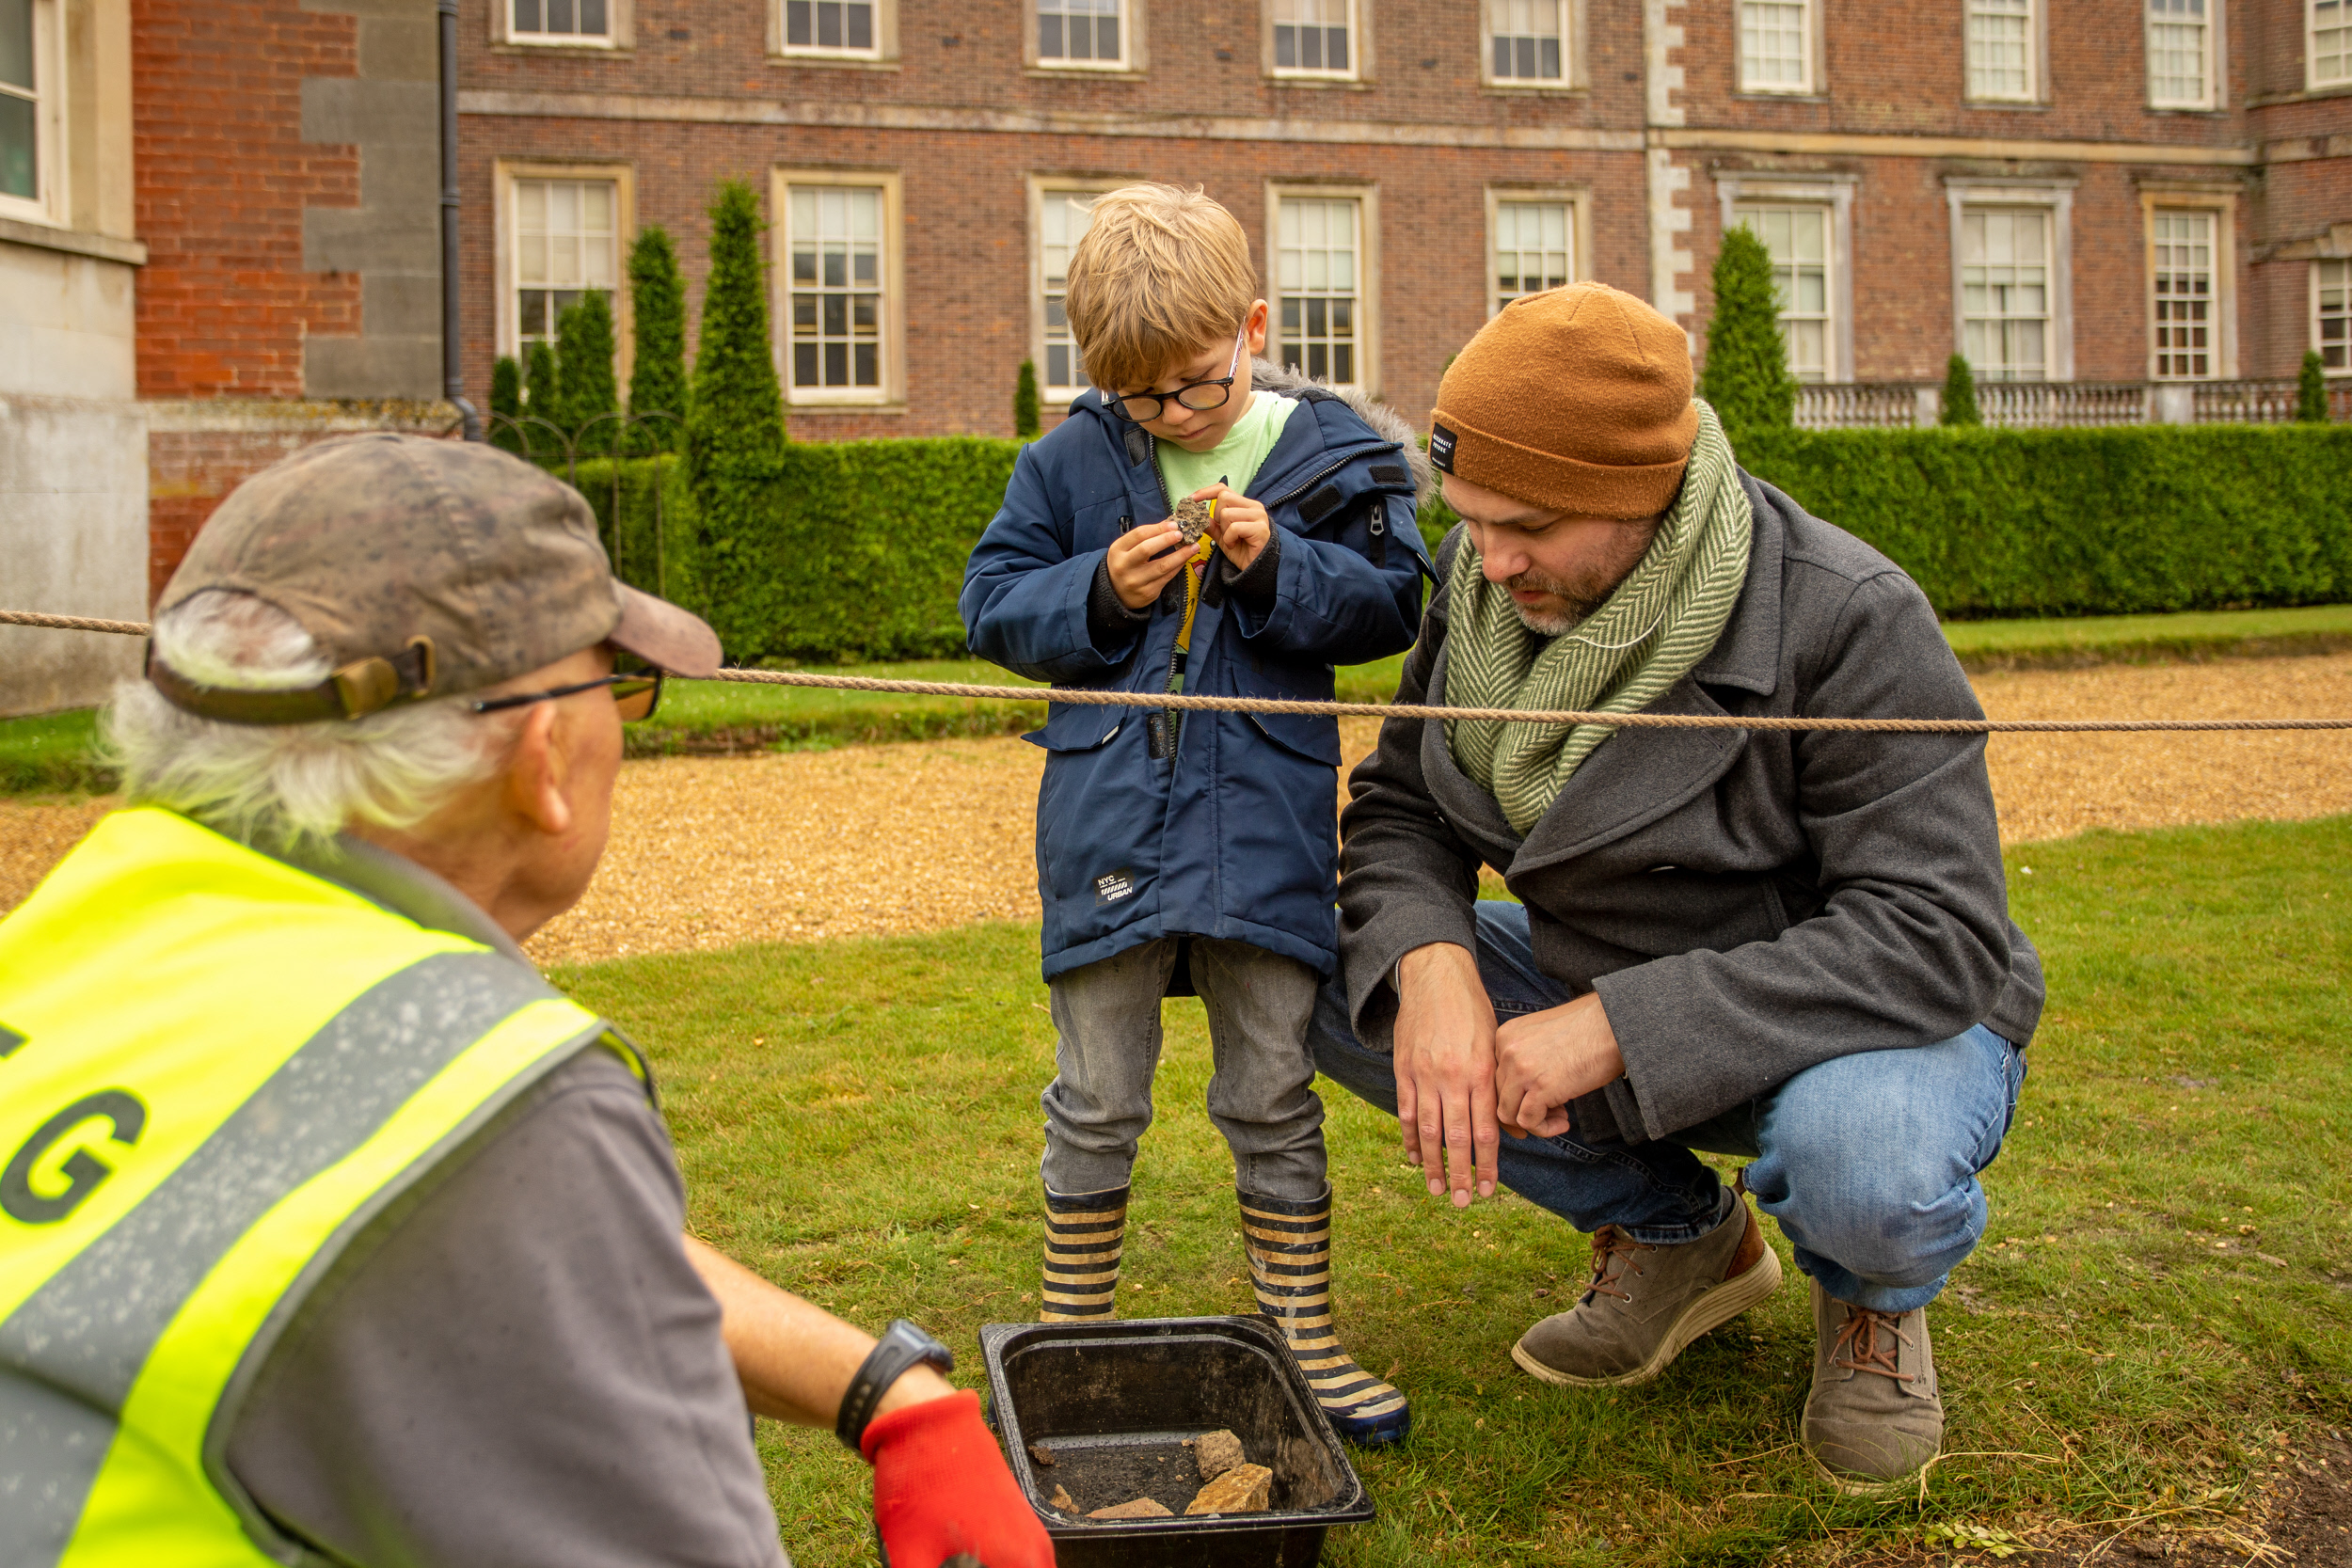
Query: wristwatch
[902, 1347]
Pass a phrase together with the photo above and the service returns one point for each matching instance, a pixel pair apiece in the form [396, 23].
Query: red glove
[942, 1488]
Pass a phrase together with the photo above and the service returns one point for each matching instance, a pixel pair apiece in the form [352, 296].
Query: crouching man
[328, 1231]
[1794, 948]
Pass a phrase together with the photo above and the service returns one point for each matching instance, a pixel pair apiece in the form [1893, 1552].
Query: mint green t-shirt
[1235, 459]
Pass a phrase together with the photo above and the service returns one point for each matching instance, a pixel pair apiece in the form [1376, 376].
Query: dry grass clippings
[711, 853]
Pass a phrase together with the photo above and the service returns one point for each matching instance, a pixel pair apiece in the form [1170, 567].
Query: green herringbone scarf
[1659, 622]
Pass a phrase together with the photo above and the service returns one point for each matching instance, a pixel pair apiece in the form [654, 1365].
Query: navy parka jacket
[1236, 835]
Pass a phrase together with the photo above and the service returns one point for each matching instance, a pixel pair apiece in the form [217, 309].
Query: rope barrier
[1093, 698]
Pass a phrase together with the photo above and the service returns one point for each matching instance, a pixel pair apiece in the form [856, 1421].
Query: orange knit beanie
[1577, 400]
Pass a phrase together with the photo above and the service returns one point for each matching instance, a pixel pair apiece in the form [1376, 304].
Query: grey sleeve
[518, 1366]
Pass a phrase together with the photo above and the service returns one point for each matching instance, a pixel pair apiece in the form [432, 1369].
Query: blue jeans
[1869, 1162]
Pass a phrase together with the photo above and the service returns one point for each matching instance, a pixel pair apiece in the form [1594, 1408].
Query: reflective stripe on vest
[223, 1067]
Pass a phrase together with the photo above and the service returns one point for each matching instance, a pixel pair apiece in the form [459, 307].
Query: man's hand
[1445, 1070]
[1138, 568]
[1239, 525]
[1544, 1060]
[940, 1489]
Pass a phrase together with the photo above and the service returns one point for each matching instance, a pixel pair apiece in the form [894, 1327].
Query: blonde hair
[1160, 272]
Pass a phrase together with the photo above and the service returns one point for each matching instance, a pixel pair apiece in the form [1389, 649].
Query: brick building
[2064, 190]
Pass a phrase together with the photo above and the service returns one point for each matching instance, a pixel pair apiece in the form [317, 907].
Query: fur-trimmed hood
[1386, 422]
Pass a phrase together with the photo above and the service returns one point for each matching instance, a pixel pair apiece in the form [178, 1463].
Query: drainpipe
[452, 344]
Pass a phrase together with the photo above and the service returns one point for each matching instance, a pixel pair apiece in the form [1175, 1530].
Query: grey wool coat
[1747, 904]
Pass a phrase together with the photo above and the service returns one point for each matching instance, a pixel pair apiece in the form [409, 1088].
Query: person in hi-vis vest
[328, 1230]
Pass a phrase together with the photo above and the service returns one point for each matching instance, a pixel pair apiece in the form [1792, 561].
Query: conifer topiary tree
[506, 403]
[1026, 422]
[584, 350]
[543, 399]
[734, 422]
[657, 382]
[1747, 376]
[2310, 390]
[1960, 393]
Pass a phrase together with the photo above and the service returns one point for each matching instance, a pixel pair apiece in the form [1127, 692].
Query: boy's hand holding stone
[1239, 525]
[1137, 566]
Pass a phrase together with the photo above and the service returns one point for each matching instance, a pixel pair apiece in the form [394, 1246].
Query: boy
[1194, 853]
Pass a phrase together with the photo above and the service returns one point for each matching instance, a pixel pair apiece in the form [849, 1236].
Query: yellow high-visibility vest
[214, 1068]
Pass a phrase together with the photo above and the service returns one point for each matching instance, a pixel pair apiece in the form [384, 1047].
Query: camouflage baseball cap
[422, 568]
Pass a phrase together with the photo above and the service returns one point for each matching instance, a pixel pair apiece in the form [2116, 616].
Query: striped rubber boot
[1290, 1264]
[1083, 1235]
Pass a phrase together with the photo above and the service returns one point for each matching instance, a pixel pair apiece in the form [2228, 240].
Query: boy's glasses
[1201, 396]
[636, 696]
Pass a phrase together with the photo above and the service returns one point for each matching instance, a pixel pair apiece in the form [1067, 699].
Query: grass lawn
[51, 751]
[2164, 1300]
[2150, 638]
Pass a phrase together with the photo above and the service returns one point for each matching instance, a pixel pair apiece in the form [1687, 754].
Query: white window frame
[2318, 265]
[2313, 81]
[1130, 61]
[2221, 202]
[2055, 197]
[48, 207]
[1042, 189]
[1577, 198]
[620, 18]
[1810, 28]
[891, 393]
[1367, 272]
[1358, 47]
[1834, 191]
[1572, 77]
[2209, 97]
[883, 52]
[508, 258]
[2037, 40]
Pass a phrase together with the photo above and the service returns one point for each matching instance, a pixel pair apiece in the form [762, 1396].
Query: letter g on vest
[83, 1171]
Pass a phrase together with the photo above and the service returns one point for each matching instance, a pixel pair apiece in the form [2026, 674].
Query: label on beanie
[1441, 448]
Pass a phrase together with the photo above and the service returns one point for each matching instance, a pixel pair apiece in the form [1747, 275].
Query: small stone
[1063, 1501]
[1243, 1489]
[1218, 1452]
[1191, 518]
[1142, 1508]
[1039, 1452]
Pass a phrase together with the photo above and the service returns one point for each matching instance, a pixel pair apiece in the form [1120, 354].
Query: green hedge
[2129, 521]
[856, 551]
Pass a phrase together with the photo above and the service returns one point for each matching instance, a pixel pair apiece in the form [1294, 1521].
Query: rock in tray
[1216, 1452]
[1063, 1502]
[1142, 1508]
[1243, 1489]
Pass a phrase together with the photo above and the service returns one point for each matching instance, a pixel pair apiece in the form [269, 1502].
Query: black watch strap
[902, 1347]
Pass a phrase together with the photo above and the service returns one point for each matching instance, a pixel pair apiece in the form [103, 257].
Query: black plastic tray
[1146, 1384]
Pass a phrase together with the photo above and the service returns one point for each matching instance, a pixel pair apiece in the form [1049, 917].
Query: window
[1310, 38]
[1534, 248]
[566, 242]
[2004, 294]
[1775, 46]
[2182, 278]
[27, 110]
[2001, 51]
[836, 243]
[844, 28]
[2179, 43]
[1317, 256]
[1525, 40]
[1080, 32]
[1062, 216]
[2329, 55]
[559, 22]
[2331, 315]
[1798, 238]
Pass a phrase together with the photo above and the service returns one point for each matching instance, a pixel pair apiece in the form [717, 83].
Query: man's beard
[1577, 607]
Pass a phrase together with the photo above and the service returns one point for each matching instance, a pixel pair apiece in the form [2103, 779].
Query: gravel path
[712, 852]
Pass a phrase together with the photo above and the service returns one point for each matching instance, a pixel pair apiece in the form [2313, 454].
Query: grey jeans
[1263, 1098]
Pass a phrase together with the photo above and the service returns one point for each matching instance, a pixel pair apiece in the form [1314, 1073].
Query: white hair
[274, 785]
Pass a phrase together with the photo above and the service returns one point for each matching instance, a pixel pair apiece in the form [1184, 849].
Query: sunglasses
[635, 695]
